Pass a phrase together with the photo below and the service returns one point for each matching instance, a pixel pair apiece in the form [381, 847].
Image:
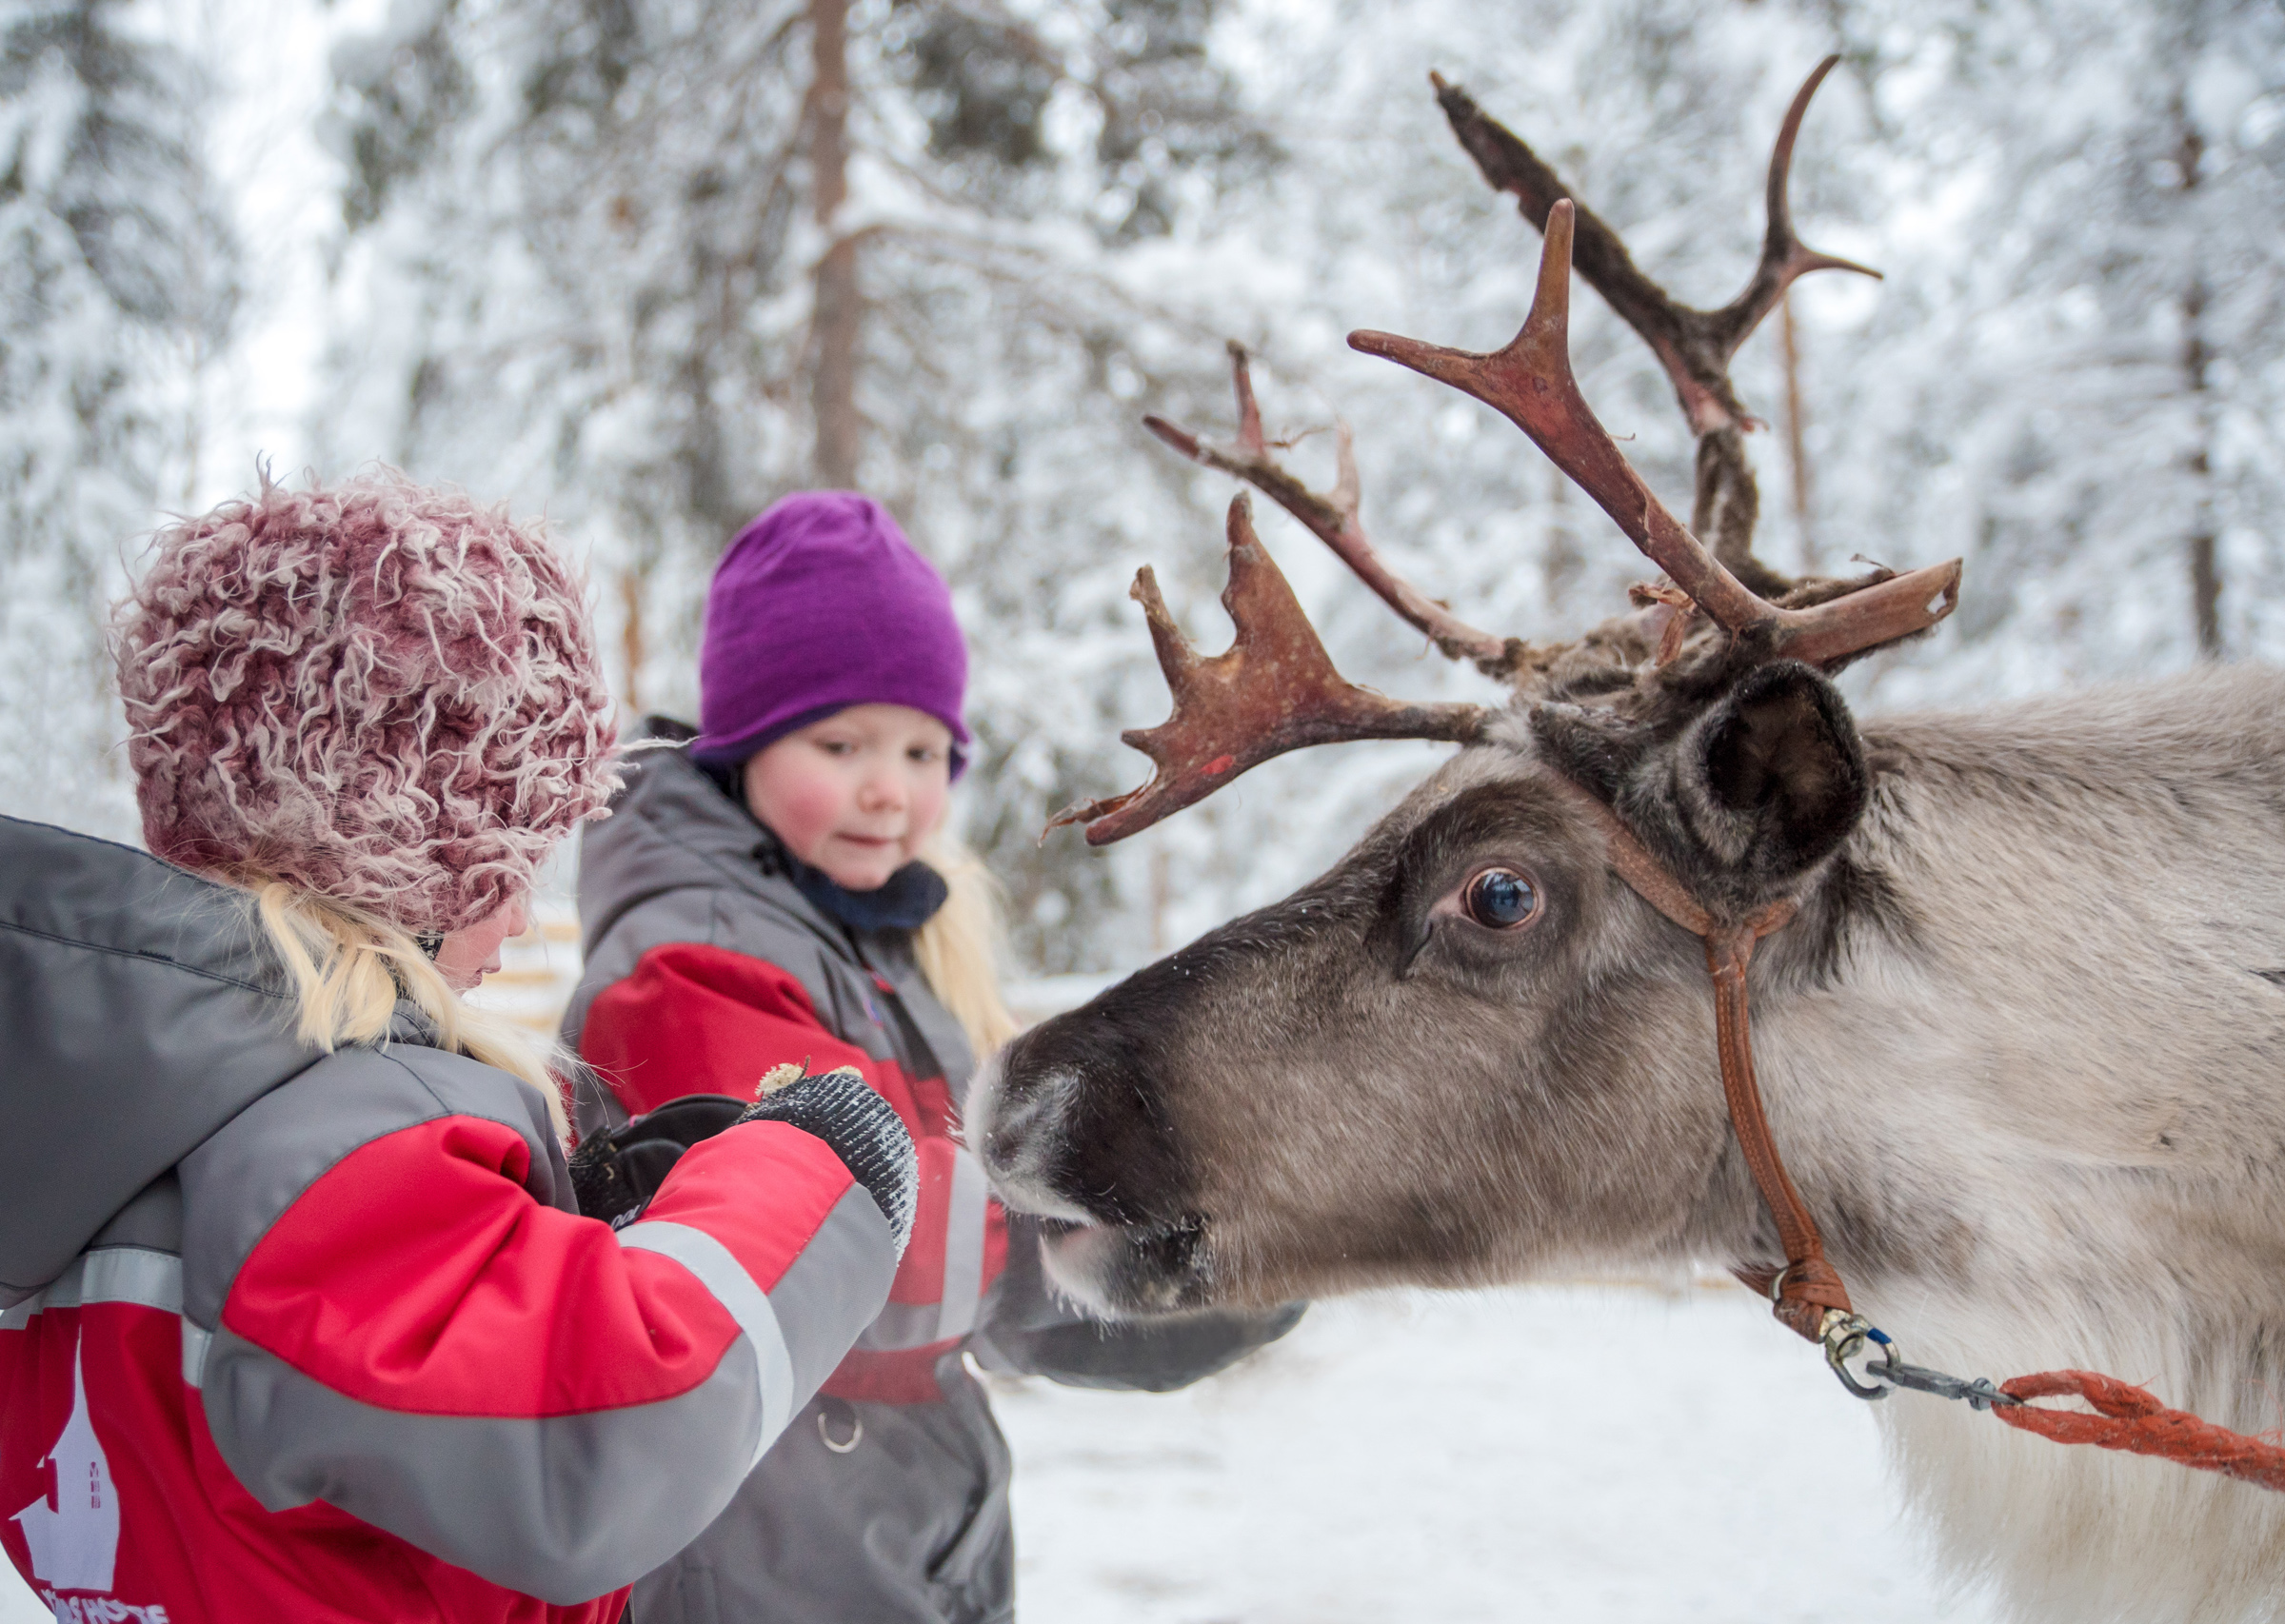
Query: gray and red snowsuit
[318, 1337]
[706, 965]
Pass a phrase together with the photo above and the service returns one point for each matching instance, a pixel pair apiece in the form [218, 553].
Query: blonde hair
[349, 967]
[960, 947]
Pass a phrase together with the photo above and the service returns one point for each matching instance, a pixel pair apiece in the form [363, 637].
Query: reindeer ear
[1754, 789]
[1772, 778]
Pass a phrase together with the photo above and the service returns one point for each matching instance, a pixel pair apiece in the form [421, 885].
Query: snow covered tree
[2073, 375]
[115, 263]
[656, 266]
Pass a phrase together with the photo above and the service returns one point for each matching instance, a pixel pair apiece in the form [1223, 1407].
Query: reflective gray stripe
[964, 1248]
[195, 1343]
[902, 1327]
[838, 1283]
[560, 1507]
[117, 1274]
[130, 1274]
[727, 1283]
[120, 1274]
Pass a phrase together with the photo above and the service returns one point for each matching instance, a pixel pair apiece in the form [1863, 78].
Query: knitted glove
[614, 1175]
[857, 1125]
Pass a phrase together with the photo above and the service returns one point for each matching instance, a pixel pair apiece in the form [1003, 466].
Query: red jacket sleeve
[699, 1019]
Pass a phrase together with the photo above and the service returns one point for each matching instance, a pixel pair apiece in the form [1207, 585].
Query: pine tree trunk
[631, 634]
[2205, 570]
[834, 323]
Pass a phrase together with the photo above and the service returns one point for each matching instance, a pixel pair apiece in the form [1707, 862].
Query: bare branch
[1334, 520]
[1274, 691]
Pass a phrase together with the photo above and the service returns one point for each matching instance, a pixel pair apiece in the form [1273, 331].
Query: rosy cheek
[810, 818]
[802, 807]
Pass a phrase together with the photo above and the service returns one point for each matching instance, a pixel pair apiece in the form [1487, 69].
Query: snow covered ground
[1581, 1454]
[1588, 1455]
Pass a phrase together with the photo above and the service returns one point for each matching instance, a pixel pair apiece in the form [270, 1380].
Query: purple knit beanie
[819, 604]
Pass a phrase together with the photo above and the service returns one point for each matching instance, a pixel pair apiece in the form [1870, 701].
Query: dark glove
[615, 1174]
[860, 1128]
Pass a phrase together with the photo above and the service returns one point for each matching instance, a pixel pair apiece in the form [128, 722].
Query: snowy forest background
[647, 264]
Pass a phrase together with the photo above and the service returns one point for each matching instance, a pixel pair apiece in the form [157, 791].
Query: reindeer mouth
[1020, 1141]
[1102, 1244]
[1130, 1270]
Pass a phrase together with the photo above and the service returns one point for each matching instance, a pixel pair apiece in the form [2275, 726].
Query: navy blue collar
[907, 901]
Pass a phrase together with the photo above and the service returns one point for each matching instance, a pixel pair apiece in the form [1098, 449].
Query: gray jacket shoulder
[241, 1181]
[141, 1012]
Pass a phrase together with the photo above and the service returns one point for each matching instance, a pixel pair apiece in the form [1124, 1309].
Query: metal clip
[1980, 1393]
[1844, 1335]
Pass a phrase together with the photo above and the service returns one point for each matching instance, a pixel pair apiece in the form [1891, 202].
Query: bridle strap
[1808, 1288]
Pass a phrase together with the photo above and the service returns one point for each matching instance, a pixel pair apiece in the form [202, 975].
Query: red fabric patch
[694, 1018]
[192, 1539]
[921, 1276]
[699, 1019]
[418, 1275]
[904, 1377]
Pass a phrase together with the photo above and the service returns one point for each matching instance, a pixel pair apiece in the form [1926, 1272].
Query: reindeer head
[1452, 1057]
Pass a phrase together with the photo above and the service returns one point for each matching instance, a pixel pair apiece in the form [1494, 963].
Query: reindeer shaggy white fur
[2067, 1098]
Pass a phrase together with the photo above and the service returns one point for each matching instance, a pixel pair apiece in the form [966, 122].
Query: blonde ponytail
[350, 968]
[960, 947]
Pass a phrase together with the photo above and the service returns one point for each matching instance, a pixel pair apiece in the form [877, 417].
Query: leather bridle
[1807, 1294]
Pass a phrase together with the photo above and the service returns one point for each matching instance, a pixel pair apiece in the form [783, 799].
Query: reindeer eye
[1500, 899]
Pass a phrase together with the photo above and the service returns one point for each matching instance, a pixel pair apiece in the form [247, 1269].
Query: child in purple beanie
[778, 889]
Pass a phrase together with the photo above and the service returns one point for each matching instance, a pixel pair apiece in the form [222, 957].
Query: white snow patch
[1576, 1452]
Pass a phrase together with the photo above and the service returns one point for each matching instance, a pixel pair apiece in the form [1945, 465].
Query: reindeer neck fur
[2024, 1051]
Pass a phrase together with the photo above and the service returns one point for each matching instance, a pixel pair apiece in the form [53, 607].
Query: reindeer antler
[1277, 691]
[1335, 520]
[1274, 691]
[1694, 345]
[1530, 383]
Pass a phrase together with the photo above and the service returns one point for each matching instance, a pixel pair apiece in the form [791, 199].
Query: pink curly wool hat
[376, 691]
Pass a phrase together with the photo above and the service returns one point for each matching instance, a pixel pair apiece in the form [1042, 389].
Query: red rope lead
[2131, 1419]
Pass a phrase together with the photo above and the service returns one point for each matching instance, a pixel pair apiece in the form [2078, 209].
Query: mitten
[857, 1125]
[615, 1174]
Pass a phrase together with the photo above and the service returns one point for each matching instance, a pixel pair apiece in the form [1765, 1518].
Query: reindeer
[2019, 1037]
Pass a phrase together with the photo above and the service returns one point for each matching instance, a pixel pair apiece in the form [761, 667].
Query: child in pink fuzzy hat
[299, 1317]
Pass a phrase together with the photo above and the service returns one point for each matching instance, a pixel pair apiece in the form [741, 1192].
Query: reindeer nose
[1066, 1122]
[1013, 1127]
